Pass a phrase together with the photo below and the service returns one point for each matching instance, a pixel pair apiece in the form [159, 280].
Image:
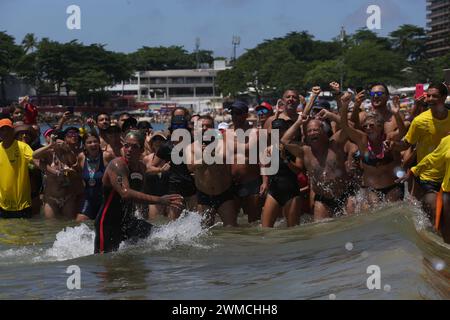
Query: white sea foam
[71, 243]
[187, 230]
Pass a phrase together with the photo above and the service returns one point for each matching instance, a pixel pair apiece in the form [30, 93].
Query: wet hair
[138, 135]
[442, 88]
[376, 117]
[381, 85]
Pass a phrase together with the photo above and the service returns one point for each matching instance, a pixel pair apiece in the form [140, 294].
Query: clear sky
[126, 25]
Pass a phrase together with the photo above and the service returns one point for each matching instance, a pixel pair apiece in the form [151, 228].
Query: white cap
[223, 126]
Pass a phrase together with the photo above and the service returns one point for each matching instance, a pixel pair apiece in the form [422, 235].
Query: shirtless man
[379, 95]
[249, 186]
[324, 160]
[213, 182]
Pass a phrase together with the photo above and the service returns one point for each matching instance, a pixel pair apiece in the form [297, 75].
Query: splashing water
[71, 243]
[186, 230]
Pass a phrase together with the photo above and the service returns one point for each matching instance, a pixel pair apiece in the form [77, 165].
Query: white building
[193, 88]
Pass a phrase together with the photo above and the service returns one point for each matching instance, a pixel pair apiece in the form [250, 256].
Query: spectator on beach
[30, 111]
[156, 178]
[180, 179]
[64, 186]
[25, 133]
[214, 182]
[263, 111]
[437, 164]
[249, 186]
[15, 186]
[425, 134]
[93, 162]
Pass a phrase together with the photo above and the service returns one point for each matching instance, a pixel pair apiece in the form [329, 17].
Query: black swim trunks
[247, 189]
[22, 214]
[428, 186]
[215, 202]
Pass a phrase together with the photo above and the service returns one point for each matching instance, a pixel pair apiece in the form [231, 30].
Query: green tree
[29, 42]
[10, 55]
[409, 40]
[370, 62]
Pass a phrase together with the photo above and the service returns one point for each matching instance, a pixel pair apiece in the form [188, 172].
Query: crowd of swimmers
[331, 162]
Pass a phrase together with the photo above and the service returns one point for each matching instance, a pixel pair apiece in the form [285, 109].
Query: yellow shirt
[435, 165]
[426, 133]
[15, 188]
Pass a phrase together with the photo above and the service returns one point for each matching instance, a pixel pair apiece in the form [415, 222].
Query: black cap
[130, 123]
[239, 105]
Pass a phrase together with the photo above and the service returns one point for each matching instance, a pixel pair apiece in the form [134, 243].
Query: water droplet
[349, 246]
[438, 265]
[387, 288]
[332, 296]
[364, 254]
[400, 173]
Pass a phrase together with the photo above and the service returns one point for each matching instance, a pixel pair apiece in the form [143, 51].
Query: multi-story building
[438, 25]
[196, 87]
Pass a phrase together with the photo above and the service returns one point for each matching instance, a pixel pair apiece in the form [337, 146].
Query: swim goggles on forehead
[376, 93]
[262, 111]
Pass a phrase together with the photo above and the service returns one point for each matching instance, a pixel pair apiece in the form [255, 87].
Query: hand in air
[395, 106]
[359, 98]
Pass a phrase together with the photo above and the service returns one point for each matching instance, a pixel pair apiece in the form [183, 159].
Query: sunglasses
[376, 94]
[261, 112]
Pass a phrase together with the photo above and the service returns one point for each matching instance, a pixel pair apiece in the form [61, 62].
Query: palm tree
[29, 42]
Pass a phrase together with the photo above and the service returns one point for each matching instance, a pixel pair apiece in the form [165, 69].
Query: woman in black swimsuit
[284, 191]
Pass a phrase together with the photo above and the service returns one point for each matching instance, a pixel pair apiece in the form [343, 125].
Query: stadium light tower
[236, 42]
[197, 51]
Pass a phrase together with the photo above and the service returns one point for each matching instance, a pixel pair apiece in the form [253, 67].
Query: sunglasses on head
[376, 93]
[262, 112]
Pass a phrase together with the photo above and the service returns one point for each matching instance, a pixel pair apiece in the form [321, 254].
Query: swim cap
[138, 135]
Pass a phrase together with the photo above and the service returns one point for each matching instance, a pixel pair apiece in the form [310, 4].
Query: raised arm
[355, 117]
[315, 91]
[395, 108]
[357, 136]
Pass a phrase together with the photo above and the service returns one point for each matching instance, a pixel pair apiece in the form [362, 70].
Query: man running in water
[123, 181]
